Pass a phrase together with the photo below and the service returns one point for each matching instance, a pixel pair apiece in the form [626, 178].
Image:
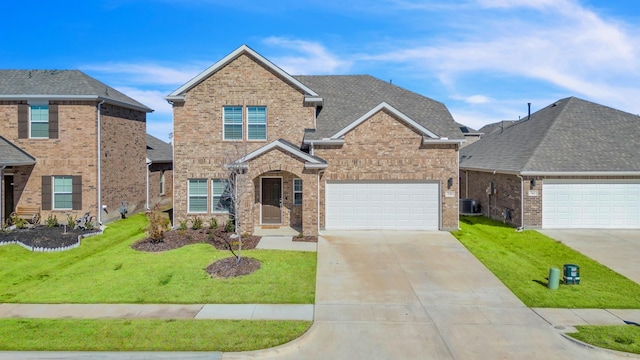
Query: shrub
[52, 221]
[18, 222]
[230, 226]
[184, 224]
[213, 224]
[71, 221]
[197, 223]
[158, 224]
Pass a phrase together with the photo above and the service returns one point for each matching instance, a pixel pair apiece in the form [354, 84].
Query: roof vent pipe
[529, 106]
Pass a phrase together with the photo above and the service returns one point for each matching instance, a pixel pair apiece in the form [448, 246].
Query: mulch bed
[231, 267]
[45, 237]
[178, 238]
[306, 239]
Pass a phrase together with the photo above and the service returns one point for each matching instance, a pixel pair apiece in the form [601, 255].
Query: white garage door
[382, 205]
[591, 204]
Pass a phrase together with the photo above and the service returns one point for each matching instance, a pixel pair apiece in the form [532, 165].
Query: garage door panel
[382, 205]
[591, 204]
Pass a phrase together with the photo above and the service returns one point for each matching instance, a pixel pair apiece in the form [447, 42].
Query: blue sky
[485, 59]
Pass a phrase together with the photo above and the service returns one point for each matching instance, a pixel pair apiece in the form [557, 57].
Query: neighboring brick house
[334, 152]
[159, 173]
[572, 164]
[59, 119]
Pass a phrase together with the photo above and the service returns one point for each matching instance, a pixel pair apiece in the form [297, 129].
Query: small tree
[235, 191]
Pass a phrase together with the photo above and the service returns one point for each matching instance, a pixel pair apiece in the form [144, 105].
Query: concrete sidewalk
[160, 311]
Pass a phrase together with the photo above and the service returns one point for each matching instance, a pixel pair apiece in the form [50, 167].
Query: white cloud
[312, 59]
[556, 42]
[474, 99]
[146, 73]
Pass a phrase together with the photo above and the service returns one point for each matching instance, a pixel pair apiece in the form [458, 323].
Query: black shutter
[76, 197]
[46, 193]
[53, 121]
[23, 121]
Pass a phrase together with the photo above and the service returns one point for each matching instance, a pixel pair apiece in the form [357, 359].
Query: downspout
[99, 164]
[2, 209]
[320, 172]
[521, 203]
[148, 165]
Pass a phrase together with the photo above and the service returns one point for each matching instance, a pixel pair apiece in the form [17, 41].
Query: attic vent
[106, 90]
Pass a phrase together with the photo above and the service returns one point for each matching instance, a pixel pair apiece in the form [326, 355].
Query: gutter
[426, 140]
[325, 141]
[521, 203]
[77, 97]
[148, 165]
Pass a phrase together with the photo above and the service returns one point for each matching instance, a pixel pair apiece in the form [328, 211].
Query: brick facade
[507, 195]
[74, 153]
[382, 147]
[385, 148]
[156, 196]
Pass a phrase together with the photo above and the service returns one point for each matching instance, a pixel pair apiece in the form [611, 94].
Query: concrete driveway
[417, 295]
[619, 250]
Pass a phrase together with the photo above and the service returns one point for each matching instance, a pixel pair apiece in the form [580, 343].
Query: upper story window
[233, 123]
[257, 123]
[39, 121]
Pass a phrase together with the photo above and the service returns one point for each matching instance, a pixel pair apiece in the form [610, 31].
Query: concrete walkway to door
[417, 295]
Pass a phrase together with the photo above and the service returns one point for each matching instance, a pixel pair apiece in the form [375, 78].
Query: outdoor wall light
[533, 182]
[449, 183]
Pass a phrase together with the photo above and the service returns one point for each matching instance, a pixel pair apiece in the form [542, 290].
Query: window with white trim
[220, 195]
[256, 123]
[62, 193]
[232, 123]
[162, 183]
[39, 121]
[297, 192]
[197, 196]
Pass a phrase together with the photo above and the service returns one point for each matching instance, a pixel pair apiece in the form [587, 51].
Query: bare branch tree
[235, 191]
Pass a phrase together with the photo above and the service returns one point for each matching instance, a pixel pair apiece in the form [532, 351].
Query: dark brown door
[271, 201]
[8, 196]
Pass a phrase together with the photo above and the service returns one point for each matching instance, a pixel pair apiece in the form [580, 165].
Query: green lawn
[105, 269]
[521, 260]
[146, 335]
[621, 338]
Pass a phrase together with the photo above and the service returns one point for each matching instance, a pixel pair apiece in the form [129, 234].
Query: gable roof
[159, 151]
[311, 161]
[568, 136]
[179, 93]
[11, 155]
[349, 98]
[61, 85]
[497, 126]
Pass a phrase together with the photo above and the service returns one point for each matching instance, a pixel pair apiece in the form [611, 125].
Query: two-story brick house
[332, 152]
[75, 145]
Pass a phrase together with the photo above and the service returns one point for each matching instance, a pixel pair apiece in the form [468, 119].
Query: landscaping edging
[58, 249]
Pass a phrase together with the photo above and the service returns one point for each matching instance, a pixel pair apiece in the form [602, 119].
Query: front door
[271, 200]
[8, 196]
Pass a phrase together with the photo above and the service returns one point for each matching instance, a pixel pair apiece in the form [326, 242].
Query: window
[232, 123]
[257, 123]
[220, 195]
[62, 192]
[162, 183]
[198, 196]
[39, 121]
[297, 192]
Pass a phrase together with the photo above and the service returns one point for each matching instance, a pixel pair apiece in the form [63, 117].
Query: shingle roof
[159, 151]
[570, 135]
[348, 97]
[61, 84]
[11, 155]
